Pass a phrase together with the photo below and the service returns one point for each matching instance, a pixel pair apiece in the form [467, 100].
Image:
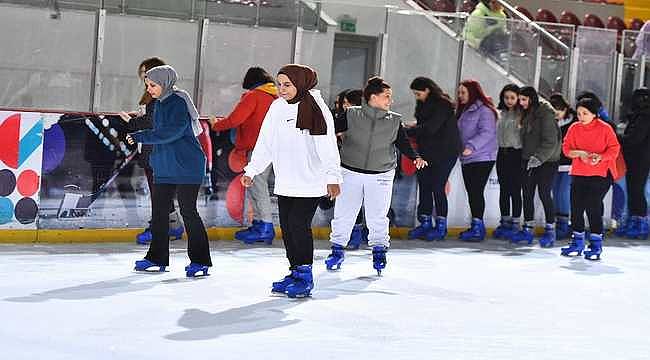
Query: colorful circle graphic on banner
[6, 210]
[28, 183]
[26, 210]
[7, 182]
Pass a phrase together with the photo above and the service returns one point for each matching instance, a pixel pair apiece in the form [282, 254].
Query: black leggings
[542, 179]
[198, 247]
[509, 173]
[432, 180]
[296, 215]
[636, 177]
[475, 177]
[587, 194]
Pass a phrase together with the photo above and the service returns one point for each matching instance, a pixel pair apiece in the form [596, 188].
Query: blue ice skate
[576, 246]
[145, 237]
[303, 283]
[379, 258]
[595, 247]
[192, 269]
[280, 287]
[420, 231]
[335, 259]
[145, 265]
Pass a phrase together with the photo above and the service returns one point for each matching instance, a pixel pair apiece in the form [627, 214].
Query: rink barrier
[90, 236]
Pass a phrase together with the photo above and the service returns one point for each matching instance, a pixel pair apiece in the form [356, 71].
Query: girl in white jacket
[298, 139]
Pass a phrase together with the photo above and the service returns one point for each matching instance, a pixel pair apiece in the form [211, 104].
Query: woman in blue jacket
[178, 162]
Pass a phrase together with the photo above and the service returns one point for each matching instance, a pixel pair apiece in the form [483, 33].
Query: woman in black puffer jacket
[636, 151]
[438, 141]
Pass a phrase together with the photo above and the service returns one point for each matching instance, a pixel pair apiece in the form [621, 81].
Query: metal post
[296, 36]
[538, 67]
[573, 79]
[319, 8]
[122, 7]
[616, 109]
[567, 75]
[383, 55]
[461, 55]
[200, 54]
[297, 44]
[193, 10]
[642, 71]
[98, 58]
[257, 12]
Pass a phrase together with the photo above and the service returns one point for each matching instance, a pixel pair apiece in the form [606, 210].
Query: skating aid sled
[75, 205]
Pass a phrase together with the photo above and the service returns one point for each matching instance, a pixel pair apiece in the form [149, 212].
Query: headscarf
[165, 76]
[310, 115]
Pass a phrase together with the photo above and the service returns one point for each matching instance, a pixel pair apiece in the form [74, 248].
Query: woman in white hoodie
[298, 139]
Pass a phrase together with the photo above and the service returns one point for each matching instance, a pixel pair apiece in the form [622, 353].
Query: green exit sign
[348, 24]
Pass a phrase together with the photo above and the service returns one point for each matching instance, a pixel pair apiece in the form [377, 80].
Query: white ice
[434, 301]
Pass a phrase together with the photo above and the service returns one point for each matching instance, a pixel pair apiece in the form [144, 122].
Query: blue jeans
[647, 192]
[562, 193]
[619, 200]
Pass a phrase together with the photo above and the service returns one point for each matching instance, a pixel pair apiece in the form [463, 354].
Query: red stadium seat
[592, 20]
[616, 23]
[636, 24]
[567, 17]
[544, 15]
[525, 11]
[441, 5]
[467, 6]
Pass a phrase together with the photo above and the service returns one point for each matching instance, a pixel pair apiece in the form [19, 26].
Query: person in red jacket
[247, 118]
[592, 145]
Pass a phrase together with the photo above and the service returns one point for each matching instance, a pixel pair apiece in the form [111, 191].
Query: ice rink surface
[445, 300]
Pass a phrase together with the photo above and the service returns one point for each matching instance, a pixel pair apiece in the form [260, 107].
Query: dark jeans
[509, 173]
[296, 215]
[475, 177]
[198, 247]
[432, 180]
[587, 194]
[636, 177]
[541, 179]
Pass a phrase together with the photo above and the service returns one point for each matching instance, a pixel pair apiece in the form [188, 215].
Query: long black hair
[354, 96]
[531, 94]
[422, 83]
[560, 103]
[512, 88]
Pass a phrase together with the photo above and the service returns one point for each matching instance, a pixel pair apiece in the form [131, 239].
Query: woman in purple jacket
[478, 132]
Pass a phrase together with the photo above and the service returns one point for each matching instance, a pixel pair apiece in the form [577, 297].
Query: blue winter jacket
[177, 157]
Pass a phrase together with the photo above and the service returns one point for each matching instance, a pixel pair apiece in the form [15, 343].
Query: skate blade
[277, 294]
[196, 276]
[151, 272]
[572, 254]
[334, 267]
[299, 297]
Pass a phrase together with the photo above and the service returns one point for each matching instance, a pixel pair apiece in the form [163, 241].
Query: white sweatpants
[374, 191]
